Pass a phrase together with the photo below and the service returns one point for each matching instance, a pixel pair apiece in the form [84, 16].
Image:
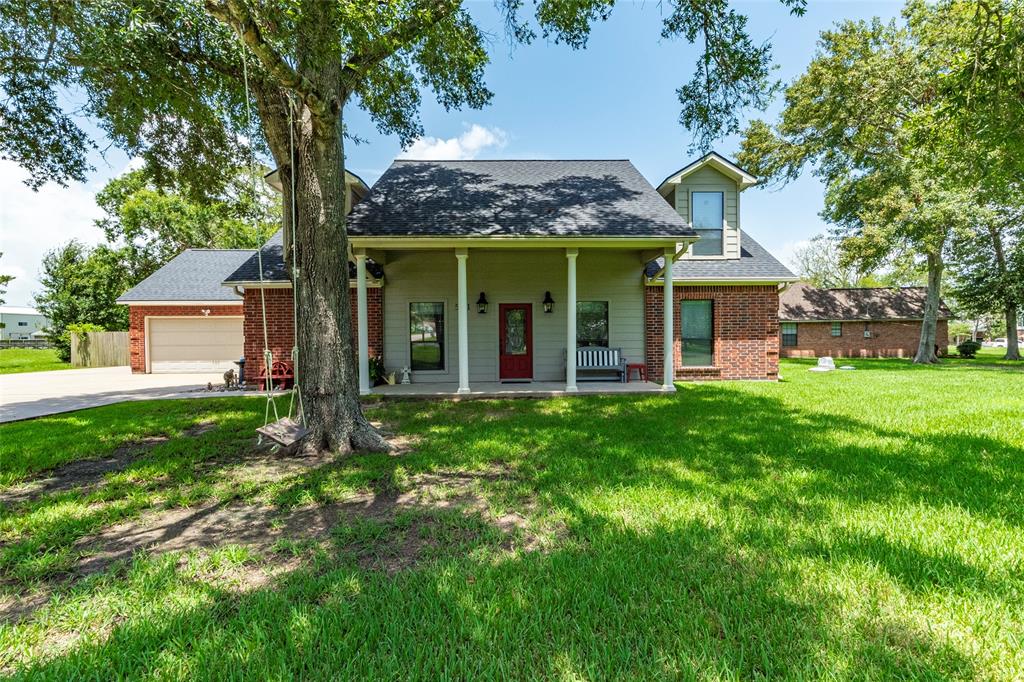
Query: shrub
[63, 341]
[968, 349]
[377, 371]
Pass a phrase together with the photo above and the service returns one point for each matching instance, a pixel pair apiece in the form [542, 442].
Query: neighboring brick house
[497, 271]
[855, 322]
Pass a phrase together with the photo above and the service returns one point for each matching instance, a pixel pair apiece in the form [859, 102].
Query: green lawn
[863, 524]
[16, 360]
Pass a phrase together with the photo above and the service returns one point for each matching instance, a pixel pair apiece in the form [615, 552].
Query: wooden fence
[99, 349]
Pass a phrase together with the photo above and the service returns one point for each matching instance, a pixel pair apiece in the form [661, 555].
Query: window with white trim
[426, 336]
[707, 211]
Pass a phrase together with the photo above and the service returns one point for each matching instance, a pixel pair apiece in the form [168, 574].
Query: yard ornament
[825, 364]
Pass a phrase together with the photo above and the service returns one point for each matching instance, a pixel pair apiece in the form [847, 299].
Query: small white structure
[825, 364]
[21, 323]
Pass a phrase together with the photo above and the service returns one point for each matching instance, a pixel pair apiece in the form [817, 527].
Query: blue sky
[616, 99]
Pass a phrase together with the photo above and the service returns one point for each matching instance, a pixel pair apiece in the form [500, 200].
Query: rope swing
[288, 430]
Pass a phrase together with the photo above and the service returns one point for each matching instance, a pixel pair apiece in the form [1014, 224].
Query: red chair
[282, 375]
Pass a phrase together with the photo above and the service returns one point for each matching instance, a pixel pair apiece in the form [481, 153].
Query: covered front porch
[533, 389]
[499, 317]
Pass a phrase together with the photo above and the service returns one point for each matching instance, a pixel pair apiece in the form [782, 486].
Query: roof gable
[517, 198]
[715, 161]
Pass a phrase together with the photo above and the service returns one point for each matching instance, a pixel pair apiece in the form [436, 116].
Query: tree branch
[359, 64]
[235, 15]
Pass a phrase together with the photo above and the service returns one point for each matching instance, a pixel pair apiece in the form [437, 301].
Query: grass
[18, 360]
[863, 524]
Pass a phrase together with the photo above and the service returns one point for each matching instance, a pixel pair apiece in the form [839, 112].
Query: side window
[708, 214]
[837, 329]
[698, 333]
[788, 333]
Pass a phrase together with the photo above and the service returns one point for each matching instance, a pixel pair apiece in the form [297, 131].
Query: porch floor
[535, 389]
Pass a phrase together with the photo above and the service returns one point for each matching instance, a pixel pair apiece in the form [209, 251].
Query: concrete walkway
[34, 394]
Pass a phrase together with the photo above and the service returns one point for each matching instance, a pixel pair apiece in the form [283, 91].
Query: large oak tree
[164, 79]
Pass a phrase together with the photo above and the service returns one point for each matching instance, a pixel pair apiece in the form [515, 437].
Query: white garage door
[194, 344]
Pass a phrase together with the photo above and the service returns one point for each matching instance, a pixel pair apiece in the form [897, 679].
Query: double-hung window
[789, 333]
[698, 333]
[708, 214]
[837, 329]
[426, 336]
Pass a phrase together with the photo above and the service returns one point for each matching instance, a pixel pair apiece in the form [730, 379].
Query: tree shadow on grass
[689, 519]
[684, 601]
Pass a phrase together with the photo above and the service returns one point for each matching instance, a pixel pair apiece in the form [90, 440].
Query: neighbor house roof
[805, 303]
[248, 271]
[18, 310]
[193, 275]
[514, 198]
[754, 264]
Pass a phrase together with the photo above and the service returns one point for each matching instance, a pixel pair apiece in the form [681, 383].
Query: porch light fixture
[481, 304]
[549, 303]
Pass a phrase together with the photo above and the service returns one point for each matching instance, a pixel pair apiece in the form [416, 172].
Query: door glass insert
[515, 331]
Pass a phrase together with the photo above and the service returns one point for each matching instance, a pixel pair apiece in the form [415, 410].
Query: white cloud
[470, 144]
[32, 223]
[787, 252]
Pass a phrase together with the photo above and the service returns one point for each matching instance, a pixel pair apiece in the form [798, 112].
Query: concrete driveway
[34, 394]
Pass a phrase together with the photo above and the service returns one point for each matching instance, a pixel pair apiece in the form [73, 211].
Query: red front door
[515, 353]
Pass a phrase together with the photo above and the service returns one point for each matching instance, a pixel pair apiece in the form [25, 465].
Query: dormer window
[708, 217]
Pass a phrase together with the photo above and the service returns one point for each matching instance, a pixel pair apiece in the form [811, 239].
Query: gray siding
[511, 276]
[710, 180]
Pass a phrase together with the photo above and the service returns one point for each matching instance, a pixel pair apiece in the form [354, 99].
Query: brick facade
[889, 339]
[746, 331]
[280, 325]
[137, 315]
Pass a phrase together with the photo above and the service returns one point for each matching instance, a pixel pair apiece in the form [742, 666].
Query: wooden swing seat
[284, 432]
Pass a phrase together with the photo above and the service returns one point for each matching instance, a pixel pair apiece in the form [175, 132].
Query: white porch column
[462, 255]
[363, 324]
[570, 325]
[668, 359]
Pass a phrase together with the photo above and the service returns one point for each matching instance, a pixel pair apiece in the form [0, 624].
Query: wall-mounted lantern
[481, 304]
[549, 303]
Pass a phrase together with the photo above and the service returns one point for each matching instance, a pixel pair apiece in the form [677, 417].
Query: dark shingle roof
[514, 198]
[804, 303]
[754, 263]
[192, 275]
[274, 265]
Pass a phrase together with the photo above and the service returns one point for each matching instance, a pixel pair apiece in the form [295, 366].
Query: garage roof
[193, 275]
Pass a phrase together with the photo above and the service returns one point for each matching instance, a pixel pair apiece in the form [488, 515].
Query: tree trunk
[929, 325]
[328, 375]
[1012, 347]
[1010, 307]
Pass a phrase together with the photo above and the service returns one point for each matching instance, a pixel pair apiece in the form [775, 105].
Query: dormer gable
[706, 193]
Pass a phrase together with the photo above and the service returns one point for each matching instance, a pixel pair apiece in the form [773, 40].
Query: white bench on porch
[600, 359]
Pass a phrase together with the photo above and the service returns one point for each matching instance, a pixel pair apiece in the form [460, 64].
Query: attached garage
[194, 344]
[182, 318]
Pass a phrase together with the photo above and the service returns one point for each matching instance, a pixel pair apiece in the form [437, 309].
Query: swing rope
[296, 387]
[268, 356]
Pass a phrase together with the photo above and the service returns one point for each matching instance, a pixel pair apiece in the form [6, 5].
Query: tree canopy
[870, 118]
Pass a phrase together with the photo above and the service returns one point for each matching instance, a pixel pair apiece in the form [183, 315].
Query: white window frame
[725, 222]
[443, 300]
